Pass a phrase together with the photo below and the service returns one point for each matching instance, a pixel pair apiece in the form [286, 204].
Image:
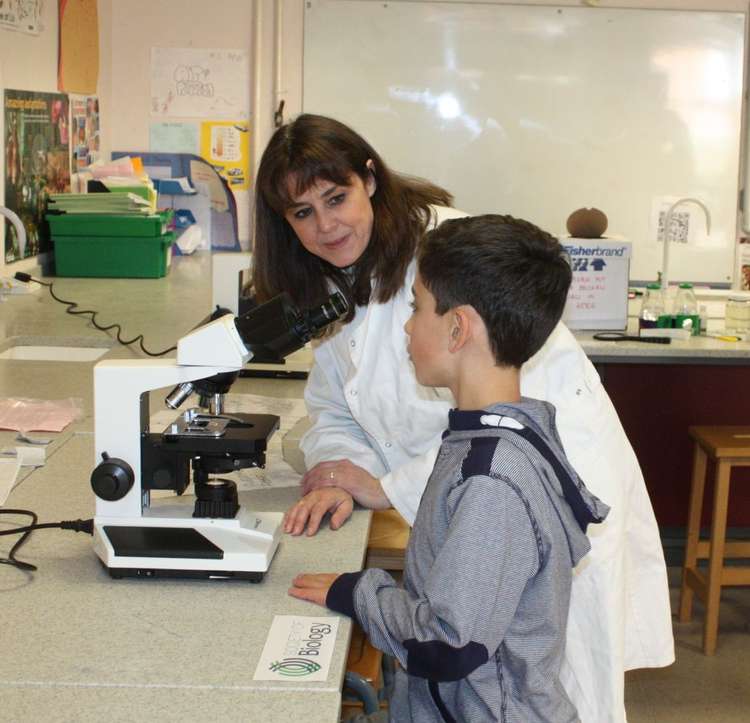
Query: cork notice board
[78, 62]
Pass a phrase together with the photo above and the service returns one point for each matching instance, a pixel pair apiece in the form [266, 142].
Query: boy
[479, 627]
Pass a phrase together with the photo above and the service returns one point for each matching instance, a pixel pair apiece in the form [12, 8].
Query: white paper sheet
[200, 83]
[298, 648]
[9, 467]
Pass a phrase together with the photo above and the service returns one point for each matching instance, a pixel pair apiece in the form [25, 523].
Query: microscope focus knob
[112, 478]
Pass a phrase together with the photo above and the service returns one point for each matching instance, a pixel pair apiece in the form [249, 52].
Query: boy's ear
[460, 331]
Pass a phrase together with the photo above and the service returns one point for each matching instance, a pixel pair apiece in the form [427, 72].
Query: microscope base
[179, 545]
[119, 573]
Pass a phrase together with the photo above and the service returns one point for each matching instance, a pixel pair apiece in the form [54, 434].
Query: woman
[330, 214]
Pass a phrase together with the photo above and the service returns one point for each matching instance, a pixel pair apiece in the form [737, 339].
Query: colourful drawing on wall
[200, 83]
[84, 131]
[37, 163]
[226, 146]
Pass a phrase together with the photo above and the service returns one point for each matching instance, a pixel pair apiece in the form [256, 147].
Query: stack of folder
[107, 203]
[113, 230]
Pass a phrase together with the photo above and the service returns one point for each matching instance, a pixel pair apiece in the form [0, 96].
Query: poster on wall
[25, 16]
[173, 137]
[196, 83]
[226, 146]
[84, 131]
[78, 46]
[37, 163]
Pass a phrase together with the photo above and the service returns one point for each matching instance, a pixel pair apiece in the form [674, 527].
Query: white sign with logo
[298, 648]
[598, 296]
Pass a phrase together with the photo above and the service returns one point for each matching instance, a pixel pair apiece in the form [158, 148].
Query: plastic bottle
[686, 310]
[703, 312]
[652, 308]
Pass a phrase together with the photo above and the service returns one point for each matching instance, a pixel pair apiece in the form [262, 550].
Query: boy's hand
[309, 511]
[313, 588]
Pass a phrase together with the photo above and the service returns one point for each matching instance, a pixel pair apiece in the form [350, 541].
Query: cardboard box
[598, 296]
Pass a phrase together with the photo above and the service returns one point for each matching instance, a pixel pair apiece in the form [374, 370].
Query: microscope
[216, 537]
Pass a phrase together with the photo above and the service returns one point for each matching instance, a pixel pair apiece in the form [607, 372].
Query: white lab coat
[366, 406]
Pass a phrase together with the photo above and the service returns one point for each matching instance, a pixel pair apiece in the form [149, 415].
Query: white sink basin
[55, 353]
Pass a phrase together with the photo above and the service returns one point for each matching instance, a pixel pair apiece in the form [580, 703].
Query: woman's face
[333, 222]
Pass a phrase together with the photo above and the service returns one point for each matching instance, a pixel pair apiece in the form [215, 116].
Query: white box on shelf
[598, 296]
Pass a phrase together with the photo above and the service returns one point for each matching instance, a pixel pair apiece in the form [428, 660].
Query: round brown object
[587, 223]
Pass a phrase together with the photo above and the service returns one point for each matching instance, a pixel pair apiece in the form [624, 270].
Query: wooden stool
[389, 536]
[728, 447]
[364, 661]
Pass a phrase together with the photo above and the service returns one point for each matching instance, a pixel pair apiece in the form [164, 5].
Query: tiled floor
[697, 688]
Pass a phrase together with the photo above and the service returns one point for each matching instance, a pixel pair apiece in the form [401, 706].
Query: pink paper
[38, 415]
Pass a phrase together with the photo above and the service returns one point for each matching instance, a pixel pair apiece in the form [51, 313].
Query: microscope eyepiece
[277, 328]
[329, 311]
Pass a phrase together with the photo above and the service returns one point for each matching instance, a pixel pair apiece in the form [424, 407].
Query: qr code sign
[679, 226]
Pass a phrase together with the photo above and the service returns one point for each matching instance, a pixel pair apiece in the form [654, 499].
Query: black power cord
[73, 309]
[25, 532]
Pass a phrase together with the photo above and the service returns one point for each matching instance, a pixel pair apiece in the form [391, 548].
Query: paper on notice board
[200, 83]
[25, 16]
[686, 225]
[78, 54]
[173, 138]
[226, 146]
[84, 131]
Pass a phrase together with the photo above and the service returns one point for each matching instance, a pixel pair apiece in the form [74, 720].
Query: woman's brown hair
[313, 148]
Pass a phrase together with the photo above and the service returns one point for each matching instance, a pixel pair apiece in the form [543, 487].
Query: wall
[271, 29]
[127, 31]
[136, 27]
[29, 62]
[523, 110]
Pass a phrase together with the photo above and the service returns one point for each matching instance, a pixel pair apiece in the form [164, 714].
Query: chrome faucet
[18, 225]
[663, 276]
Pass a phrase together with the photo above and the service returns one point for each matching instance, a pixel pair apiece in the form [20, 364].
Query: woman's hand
[309, 511]
[359, 483]
[313, 588]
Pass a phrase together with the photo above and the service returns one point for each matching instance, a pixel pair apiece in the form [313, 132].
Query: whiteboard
[537, 111]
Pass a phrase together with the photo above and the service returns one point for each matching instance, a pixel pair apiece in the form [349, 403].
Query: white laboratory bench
[80, 646]
[700, 350]
[696, 350]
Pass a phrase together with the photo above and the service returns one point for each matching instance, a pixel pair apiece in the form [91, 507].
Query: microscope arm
[217, 343]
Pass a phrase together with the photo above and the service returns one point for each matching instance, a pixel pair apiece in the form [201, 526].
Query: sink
[54, 353]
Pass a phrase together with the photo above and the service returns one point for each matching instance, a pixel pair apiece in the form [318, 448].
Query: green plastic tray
[113, 257]
[110, 225]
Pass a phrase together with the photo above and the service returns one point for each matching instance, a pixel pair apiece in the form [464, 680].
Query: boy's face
[429, 337]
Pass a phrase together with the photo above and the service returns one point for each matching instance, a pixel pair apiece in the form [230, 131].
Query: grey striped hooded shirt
[479, 625]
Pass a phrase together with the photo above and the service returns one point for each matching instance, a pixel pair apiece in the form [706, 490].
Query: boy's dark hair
[514, 274]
